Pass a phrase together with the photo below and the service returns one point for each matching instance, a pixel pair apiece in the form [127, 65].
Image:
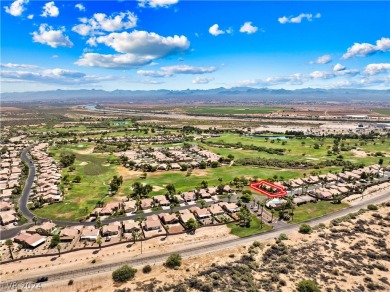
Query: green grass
[295, 148]
[96, 176]
[313, 210]
[211, 175]
[231, 110]
[383, 111]
[254, 228]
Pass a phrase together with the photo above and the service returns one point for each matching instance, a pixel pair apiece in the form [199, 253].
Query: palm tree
[99, 241]
[262, 204]
[292, 212]
[10, 243]
[202, 202]
[35, 219]
[98, 222]
[229, 196]
[166, 230]
[272, 213]
[135, 235]
[59, 249]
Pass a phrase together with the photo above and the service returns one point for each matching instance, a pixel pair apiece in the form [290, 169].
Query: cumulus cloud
[145, 43]
[373, 69]
[53, 38]
[100, 22]
[299, 18]
[16, 8]
[50, 9]
[113, 61]
[137, 48]
[248, 28]
[215, 31]
[202, 80]
[325, 59]
[156, 3]
[54, 76]
[18, 66]
[30, 16]
[350, 72]
[294, 79]
[338, 67]
[321, 75]
[361, 83]
[365, 49]
[178, 69]
[80, 7]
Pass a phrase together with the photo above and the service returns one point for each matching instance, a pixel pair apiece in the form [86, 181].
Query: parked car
[42, 279]
[108, 238]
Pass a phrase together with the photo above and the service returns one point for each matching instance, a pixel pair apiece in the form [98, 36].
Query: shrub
[123, 274]
[70, 283]
[307, 286]
[256, 244]
[283, 236]
[147, 269]
[93, 261]
[305, 229]
[174, 260]
[372, 207]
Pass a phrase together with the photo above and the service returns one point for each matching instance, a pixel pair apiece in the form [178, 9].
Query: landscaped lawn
[211, 175]
[295, 148]
[95, 174]
[312, 210]
[254, 228]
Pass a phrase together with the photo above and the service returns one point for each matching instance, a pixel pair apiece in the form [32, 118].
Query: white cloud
[325, 59]
[345, 72]
[361, 83]
[298, 19]
[156, 3]
[50, 9]
[321, 75]
[179, 69]
[144, 43]
[30, 16]
[338, 67]
[365, 49]
[114, 61]
[215, 31]
[294, 79]
[248, 28]
[46, 76]
[80, 7]
[202, 80]
[16, 8]
[373, 69]
[19, 66]
[100, 22]
[53, 38]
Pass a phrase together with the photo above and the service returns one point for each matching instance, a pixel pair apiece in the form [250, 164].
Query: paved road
[190, 251]
[23, 200]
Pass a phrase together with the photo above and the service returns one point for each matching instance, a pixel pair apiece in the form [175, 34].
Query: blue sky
[173, 44]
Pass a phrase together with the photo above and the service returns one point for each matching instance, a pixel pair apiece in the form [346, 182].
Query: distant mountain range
[211, 96]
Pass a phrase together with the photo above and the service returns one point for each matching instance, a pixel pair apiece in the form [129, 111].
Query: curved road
[189, 251]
